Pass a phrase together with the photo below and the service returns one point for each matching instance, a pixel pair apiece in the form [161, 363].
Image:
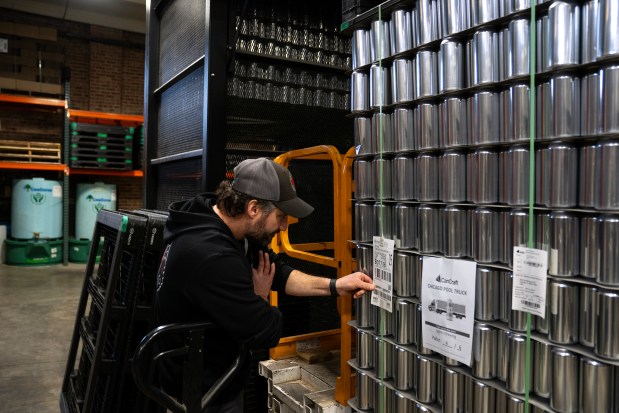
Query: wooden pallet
[27, 151]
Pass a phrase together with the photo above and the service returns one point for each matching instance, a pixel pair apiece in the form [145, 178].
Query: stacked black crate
[104, 316]
[101, 146]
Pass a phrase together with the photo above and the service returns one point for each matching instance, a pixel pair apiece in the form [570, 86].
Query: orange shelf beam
[29, 100]
[34, 166]
[95, 117]
[105, 172]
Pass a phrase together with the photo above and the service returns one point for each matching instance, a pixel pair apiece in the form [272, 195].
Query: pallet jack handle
[144, 363]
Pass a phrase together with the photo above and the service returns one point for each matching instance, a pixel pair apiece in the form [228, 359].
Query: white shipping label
[448, 306]
[529, 284]
[383, 273]
[4, 45]
[113, 196]
[57, 191]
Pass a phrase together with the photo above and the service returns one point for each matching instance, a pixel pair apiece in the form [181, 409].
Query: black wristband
[332, 287]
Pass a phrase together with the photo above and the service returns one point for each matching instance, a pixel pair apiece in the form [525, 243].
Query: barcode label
[383, 275]
[383, 295]
[529, 304]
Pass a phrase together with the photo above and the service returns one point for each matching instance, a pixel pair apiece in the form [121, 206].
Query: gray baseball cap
[267, 180]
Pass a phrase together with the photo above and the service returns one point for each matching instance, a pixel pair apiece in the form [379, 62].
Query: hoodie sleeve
[218, 287]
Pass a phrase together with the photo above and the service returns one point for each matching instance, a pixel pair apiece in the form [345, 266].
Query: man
[217, 267]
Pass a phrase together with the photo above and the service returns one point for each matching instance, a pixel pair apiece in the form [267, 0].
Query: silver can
[426, 380]
[561, 174]
[402, 81]
[403, 168]
[565, 115]
[514, 179]
[383, 354]
[487, 287]
[403, 282]
[380, 43]
[564, 27]
[564, 244]
[453, 122]
[519, 43]
[403, 377]
[516, 374]
[483, 397]
[359, 92]
[588, 315]
[425, 118]
[365, 350]
[564, 313]
[454, 16]
[564, 394]
[406, 226]
[485, 58]
[541, 368]
[483, 11]
[483, 177]
[484, 124]
[484, 360]
[380, 86]
[401, 36]
[453, 391]
[587, 179]
[429, 229]
[455, 232]
[382, 178]
[426, 74]
[404, 127]
[362, 129]
[425, 21]
[515, 116]
[518, 232]
[364, 221]
[609, 39]
[596, 386]
[590, 44]
[542, 324]
[364, 179]
[450, 66]
[383, 220]
[591, 104]
[384, 398]
[360, 48]
[485, 233]
[516, 320]
[365, 313]
[382, 133]
[427, 175]
[419, 335]
[589, 247]
[609, 254]
[502, 354]
[365, 391]
[607, 342]
[608, 176]
[453, 177]
[404, 321]
[403, 404]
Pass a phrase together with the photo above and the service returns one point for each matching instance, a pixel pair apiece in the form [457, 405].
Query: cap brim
[295, 207]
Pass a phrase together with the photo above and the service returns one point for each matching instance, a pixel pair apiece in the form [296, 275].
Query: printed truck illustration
[448, 307]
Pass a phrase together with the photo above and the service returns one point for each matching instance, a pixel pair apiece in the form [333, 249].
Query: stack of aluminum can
[440, 94]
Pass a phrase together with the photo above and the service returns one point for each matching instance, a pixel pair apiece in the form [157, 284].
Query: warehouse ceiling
[127, 15]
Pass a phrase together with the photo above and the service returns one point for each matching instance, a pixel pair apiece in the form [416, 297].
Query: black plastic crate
[96, 140]
[101, 130]
[352, 8]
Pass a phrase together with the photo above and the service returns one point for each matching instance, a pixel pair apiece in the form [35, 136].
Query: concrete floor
[37, 314]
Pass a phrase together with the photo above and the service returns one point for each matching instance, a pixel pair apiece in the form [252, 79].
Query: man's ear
[252, 209]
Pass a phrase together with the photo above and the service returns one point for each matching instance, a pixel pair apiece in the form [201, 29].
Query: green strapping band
[532, 99]
[382, 316]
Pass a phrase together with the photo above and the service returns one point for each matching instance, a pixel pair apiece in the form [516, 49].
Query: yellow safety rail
[342, 261]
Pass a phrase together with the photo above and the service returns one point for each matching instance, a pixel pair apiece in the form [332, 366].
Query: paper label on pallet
[529, 284]
[382, 296]
[4, 45]
[113, 197]
[57, 191]
[448, 306]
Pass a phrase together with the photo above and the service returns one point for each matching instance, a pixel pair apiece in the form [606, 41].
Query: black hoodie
[205, 275]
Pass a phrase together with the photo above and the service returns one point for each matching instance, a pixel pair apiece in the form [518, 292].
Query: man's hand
[355, 284]
[263, 275]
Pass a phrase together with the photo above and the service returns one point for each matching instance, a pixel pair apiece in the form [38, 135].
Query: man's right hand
[263, 275]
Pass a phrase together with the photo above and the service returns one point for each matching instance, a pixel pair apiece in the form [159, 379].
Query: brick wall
[107, 74]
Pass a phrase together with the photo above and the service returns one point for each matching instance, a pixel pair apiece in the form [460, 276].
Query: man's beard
[258, 235]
